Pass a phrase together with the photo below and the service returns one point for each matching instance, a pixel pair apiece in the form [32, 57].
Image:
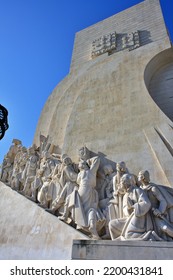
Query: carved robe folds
[137, 222]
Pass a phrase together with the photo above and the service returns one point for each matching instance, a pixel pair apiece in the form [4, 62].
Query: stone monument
[117, 96]
[103, 132]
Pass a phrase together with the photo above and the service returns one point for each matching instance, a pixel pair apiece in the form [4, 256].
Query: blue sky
[36, 43]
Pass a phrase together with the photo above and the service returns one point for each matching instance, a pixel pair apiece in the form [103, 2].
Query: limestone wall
[29, 232]
[104, 102]
[162, 84]
[145, 17]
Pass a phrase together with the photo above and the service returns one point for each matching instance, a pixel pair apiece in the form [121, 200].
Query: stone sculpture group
[100, 198]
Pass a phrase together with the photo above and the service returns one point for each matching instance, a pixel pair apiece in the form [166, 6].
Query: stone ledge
[121, 250]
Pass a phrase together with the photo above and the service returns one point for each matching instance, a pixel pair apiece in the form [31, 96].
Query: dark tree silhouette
[3, 121]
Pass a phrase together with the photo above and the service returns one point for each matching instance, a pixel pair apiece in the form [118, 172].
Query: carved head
[108, 169]
[16, 142]
[126, 181]
[31, 151]
[66, 159]
[83, 165]
[121, 167]
[84, 153]
[144, 176]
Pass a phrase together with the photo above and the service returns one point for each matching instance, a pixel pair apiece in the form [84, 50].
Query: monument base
[28, 232]
[121, 250]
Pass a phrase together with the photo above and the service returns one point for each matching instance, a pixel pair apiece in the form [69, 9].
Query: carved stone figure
[45, 193]
[8, 164]
[14, 177]
[18, 168]
[106, 194]
[36, 185]
[106, 190]
[88, 216]
[47, 164]
[29, 172]
[44, 144]
[161, 199]
[14, 149]
[49, 190]
[84, 153]
[7, 168]
[55, 182]
[90, 195]
[68, 184]
[136, 223]
[115, 207]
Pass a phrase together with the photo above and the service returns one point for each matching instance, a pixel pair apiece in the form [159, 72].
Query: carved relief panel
[104, 44]
[114, 42]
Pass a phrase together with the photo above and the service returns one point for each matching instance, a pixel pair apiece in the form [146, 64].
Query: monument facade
[117, 96]
[103, 132]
